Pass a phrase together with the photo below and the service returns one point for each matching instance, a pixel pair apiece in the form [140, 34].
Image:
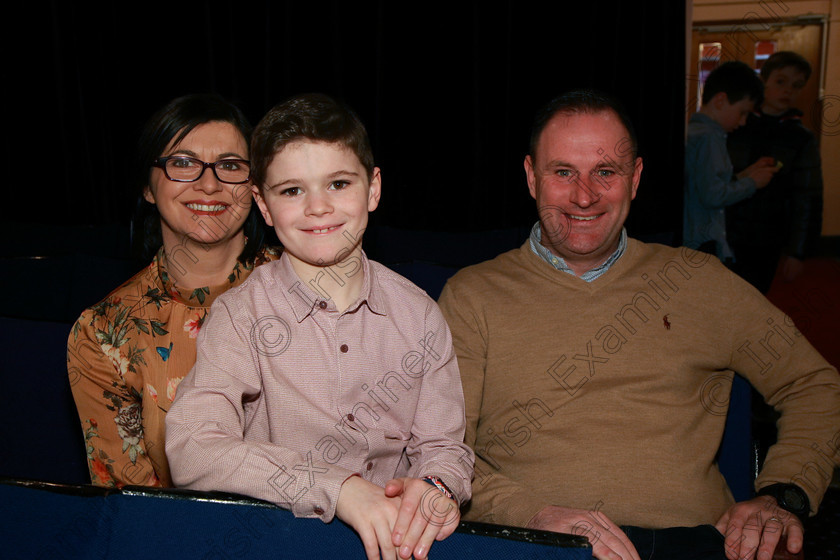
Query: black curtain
[447, 91]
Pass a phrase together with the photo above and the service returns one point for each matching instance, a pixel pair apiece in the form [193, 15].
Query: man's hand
[607, 540]
[425, 515]
[760, 172]
[753, 529]
[365, 507]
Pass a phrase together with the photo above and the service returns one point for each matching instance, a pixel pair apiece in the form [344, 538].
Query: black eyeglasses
[185, 169]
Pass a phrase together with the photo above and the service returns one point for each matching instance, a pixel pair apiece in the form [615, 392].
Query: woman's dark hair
[171, 124]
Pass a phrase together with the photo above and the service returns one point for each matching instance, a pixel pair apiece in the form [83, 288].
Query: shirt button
[369, 465]
[344, 348]
[350, 418]
[318, 510]
[322, 304]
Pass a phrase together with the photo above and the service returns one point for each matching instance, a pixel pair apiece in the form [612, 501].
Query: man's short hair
[783, 59]
[312, 116]
[581, 101]
[737, 80]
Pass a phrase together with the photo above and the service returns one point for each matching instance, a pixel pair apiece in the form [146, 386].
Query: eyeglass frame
[161, 164]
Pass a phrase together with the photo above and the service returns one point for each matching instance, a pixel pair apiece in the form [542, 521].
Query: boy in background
[784, 220]
[327, 384]
[729, 95]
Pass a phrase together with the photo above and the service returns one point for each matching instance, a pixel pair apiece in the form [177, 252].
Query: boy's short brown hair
[737, 80]
[783, 59]
[311, 116]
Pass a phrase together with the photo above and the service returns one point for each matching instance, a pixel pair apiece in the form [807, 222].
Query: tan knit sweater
[612, 395]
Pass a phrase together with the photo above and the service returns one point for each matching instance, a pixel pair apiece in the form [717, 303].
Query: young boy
[729, 94]
[327, 384]
[785, 219]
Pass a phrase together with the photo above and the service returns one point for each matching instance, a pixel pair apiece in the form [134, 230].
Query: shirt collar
[306, 301]
[560, 264]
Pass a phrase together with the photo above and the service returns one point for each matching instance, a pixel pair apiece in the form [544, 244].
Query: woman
[127, 354]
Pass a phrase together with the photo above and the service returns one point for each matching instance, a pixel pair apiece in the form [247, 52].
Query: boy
[729, 94]
[785, 219]
[327, 384]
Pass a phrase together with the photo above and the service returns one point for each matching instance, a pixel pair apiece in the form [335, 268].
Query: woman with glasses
[127, 354]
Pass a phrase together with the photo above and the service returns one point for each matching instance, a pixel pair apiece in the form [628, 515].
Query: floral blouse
[125, 357]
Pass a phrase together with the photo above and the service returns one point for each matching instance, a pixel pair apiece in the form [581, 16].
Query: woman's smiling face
[205, 211]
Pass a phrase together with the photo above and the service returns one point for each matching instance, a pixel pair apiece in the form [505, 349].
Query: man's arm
[496, 497]
[805, 389]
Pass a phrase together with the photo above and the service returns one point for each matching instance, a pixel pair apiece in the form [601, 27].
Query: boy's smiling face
[317, 196]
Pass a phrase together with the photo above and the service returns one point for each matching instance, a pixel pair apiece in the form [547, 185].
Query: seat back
[39, 427]
[737, 458]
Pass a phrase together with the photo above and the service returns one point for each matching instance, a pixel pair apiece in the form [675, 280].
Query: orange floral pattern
[129, 346]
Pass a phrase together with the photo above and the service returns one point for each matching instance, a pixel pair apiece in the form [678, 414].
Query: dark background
[447, 91]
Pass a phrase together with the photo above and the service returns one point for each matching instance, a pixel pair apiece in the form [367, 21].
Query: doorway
[752, 44]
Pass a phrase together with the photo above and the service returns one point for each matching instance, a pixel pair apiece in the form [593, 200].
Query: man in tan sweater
[594, 367]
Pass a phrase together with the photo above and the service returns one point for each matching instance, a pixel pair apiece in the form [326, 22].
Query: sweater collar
[560, 264]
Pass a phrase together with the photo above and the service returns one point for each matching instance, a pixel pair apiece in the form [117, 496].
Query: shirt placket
[346, 349]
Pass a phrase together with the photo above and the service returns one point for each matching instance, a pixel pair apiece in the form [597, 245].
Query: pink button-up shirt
[288, 397]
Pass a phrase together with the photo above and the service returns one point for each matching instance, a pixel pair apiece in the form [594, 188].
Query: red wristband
[438, 483]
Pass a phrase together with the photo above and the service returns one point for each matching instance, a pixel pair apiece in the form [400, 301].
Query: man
[593, 365]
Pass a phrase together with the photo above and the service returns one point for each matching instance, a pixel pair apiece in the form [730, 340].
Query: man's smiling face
[583, 178]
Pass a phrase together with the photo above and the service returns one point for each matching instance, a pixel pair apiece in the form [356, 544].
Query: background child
[785, 219]
[327, 384]
[729, 94]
